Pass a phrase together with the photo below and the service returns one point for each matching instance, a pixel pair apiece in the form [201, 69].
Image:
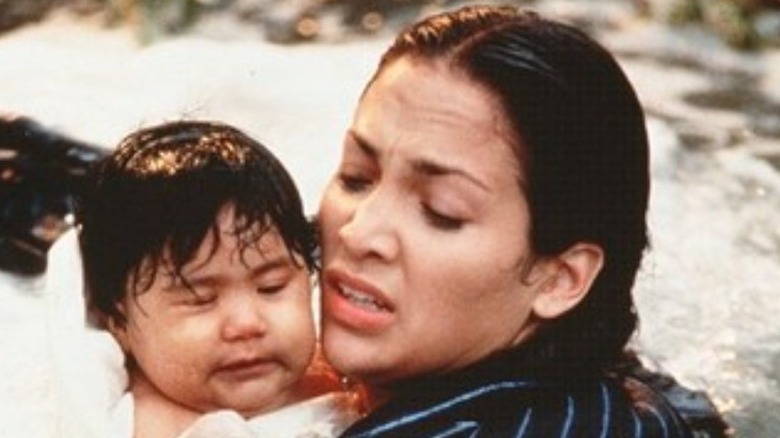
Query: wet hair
[149, 205]
[582, 150]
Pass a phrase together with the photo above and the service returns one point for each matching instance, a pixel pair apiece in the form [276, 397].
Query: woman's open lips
[361, 299]
[355, 303]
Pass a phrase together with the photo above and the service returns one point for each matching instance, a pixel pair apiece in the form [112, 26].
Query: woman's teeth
[361, 299]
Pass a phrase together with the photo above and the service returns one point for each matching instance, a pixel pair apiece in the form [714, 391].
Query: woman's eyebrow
[430, 168]
[422, 166]
[363, 144]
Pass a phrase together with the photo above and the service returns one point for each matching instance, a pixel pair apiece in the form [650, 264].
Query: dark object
[40, 173]
[695, 407]
[14, 14]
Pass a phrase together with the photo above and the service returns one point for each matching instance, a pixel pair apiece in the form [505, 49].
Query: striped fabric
[485, 403]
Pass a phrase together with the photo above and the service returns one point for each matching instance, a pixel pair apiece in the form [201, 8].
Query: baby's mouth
[247, 369]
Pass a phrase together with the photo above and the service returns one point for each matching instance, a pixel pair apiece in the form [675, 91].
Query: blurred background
[77, 75]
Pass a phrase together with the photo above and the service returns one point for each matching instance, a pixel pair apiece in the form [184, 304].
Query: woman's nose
[243, 318]
[370, 229]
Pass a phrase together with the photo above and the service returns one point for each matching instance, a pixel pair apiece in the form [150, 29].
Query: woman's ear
[573, 273]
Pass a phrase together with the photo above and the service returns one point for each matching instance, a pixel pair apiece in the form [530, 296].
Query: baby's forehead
[225, 254]
[234, 231]
[239, 238]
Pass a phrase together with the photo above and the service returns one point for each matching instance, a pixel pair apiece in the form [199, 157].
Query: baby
[198, 259]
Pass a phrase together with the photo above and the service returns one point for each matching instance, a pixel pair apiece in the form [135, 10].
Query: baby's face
[240, 338]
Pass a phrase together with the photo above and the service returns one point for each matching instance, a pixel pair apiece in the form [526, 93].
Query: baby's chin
[250, 404]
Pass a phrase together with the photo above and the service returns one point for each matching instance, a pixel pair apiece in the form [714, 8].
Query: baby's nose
[243, 319]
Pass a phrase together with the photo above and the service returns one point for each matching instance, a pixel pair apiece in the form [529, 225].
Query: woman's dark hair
[582, 149]
[149, 205]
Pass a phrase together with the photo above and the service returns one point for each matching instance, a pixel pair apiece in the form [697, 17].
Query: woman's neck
[507, 364]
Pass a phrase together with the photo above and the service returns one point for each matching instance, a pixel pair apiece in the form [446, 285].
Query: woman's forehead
[430, 115]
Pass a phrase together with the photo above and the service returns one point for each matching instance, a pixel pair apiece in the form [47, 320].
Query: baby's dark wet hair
[150, 204]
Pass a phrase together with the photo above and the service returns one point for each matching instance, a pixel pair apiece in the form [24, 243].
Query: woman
[482, 234]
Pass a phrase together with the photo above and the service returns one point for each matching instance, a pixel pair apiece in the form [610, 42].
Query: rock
[734, 21]
[41, 171]
[767, 25]
[15, 13]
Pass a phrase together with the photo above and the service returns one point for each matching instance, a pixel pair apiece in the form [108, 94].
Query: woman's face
[425, 231]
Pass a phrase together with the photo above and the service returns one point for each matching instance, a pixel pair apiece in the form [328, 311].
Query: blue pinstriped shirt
[494, 401]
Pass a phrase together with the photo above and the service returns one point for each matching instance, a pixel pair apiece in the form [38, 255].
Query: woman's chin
[349, 354]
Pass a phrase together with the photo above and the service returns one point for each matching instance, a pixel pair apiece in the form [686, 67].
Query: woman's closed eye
[354, 183]
[440, 220]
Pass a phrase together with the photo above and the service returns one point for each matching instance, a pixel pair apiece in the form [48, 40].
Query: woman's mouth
[361, 299]
[353, 303]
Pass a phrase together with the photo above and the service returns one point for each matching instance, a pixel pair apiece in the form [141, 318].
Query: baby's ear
[573, 274]
[118, 330]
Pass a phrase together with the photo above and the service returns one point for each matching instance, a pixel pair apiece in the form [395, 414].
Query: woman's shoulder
[607, 406]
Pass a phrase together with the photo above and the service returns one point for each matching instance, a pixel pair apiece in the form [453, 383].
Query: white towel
[89, 377]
